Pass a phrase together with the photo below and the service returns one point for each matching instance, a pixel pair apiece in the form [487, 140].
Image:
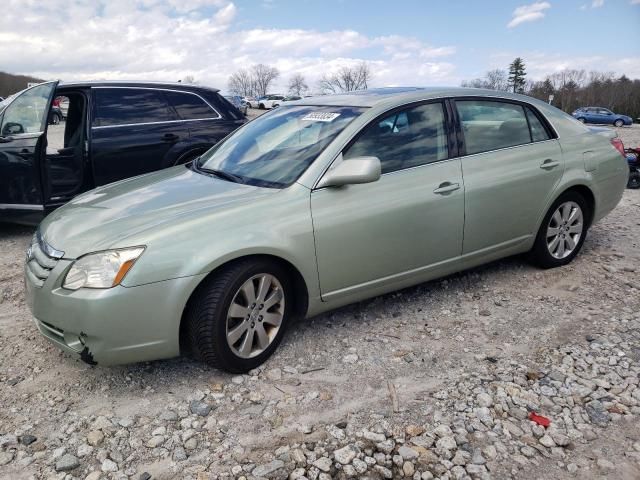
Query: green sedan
[317, 204]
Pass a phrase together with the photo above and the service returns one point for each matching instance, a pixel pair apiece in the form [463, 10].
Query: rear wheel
[634, 180]
[582, 119]
[562, 232]
[261, 106]
[55, 119]
[618, 123]
[238, 318]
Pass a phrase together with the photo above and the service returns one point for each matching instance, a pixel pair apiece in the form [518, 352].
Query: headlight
[102, 269]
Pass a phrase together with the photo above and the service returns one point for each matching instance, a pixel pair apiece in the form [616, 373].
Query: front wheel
[582, 119]
[618, 123]
[237, 319]
[562, 232]
[634, 180]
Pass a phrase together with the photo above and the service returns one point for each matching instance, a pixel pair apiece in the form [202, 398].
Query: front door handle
[170, 137]
[548, 164]
[446, 187]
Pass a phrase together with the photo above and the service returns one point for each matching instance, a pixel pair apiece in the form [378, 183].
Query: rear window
[190, 106]
[491, 125]
[125, 106]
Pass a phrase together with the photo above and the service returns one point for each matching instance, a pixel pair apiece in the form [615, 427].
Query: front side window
[407, 138]
[276, 148]
[190, 106]
[125, 106]
[491, 125]
[27, 112]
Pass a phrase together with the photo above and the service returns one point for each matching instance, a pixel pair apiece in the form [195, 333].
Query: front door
[23, 125]
[379, 234]
[511, 168]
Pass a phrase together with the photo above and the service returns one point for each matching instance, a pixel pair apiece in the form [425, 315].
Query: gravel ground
[435, 381]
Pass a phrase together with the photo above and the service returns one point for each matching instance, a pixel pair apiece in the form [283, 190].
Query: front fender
[279, 225]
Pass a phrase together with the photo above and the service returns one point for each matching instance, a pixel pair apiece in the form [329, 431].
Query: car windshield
[276, 148]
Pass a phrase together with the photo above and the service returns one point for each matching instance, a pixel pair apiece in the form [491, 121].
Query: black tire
[55, 119]
[618, 123]
[634, 180]
[582, 120]
[206, 315]
[261, 106]
[539, 254]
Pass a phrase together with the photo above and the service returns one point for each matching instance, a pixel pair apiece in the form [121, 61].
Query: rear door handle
[446, 187]
[548, 164]
[170, 137]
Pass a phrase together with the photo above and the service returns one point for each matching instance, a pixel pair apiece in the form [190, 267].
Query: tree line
[10, 84]
[258, 79]
[569, 88]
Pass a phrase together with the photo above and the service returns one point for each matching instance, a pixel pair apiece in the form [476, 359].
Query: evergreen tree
[517, 75]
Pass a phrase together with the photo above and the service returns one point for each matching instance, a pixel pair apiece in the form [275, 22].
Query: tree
[517, 75]
[189, 79]
[263, 76]
[346, 79]
[241, 83]
[493, 80]
[297, 84]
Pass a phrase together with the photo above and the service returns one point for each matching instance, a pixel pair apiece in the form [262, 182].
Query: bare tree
[347, 79]
[297, 84]
[263, 76]
[241, 83]
[189, 79]
[493, 80]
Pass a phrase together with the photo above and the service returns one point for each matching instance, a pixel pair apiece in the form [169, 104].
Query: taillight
[618, 145]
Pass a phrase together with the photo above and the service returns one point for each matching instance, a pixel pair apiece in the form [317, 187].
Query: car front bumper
[110, 326]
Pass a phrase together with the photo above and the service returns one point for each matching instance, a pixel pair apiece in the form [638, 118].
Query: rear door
[134, 131]
[205, 124]
[23, 126]
[511, 168]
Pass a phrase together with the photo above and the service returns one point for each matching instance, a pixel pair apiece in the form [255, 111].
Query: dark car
[55, 115]
[602, 116]
[113, 130]
[238, 102]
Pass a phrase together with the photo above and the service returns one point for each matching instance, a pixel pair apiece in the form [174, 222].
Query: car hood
[113, 215]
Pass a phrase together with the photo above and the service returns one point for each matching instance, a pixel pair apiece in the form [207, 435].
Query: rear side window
[491, 125]
[407, 138]
[538, 132]
[190, 106]
[124, 106]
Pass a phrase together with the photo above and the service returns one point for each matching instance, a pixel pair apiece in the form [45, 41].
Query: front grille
[40, 260]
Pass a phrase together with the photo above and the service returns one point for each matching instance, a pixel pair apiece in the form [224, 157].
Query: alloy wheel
[565, 230]
[255, 315]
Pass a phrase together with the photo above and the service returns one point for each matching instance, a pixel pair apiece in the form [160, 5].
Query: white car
[270, 101]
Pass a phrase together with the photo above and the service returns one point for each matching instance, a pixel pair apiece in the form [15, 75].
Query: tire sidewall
[229, 360]
[634, 176]
[618, 123]
[540, 251]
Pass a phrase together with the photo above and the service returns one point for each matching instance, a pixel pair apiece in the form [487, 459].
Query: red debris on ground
[539, 419]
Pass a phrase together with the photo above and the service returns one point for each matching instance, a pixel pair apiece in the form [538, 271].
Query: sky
[406, 42]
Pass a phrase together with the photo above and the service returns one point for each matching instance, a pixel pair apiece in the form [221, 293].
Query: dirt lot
[436, 381]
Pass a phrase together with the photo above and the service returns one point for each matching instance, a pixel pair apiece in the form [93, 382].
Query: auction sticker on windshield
[321, 116]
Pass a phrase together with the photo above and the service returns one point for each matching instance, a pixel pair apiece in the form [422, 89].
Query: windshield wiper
[224, 175]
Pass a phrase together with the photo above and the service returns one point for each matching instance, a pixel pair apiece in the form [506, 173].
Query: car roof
[134, 83]
[378, 96]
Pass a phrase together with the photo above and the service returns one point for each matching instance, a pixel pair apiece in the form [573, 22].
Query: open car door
[23, 127]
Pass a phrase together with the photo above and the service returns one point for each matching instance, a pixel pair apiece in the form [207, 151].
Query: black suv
[112, 131]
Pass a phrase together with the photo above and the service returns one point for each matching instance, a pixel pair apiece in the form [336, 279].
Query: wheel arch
[300, 289]
[585, 191]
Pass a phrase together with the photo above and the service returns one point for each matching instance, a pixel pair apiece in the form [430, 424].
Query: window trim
[553, 135]
[168, 104]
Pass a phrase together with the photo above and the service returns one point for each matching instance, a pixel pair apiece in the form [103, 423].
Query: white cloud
[528, 13]
[597, 3]
[170, 39]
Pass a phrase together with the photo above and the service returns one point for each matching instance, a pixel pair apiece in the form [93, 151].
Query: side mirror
[12, 128]
[352, 171]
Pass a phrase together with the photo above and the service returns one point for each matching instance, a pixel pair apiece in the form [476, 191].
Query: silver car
[319, 203]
